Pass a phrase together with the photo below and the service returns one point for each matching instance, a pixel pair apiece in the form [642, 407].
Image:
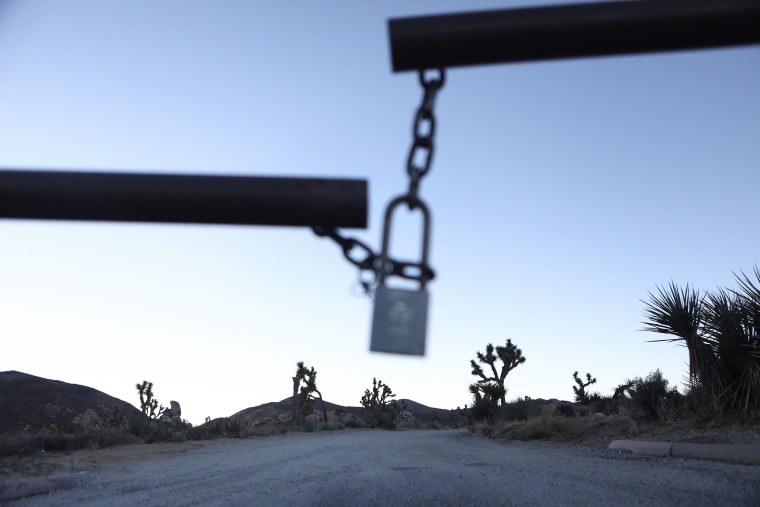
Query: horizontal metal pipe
[570, 31]
[171, 198]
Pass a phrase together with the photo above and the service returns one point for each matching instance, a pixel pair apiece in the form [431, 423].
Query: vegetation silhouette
[721, 330]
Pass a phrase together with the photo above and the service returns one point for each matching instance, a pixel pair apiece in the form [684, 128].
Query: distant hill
[275, 410]
[423, 412]
[27, 400]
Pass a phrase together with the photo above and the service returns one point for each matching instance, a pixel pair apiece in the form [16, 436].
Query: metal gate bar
[171, 198]
[570, 31]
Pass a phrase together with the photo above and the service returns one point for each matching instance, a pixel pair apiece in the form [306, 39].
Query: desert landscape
[68, 444]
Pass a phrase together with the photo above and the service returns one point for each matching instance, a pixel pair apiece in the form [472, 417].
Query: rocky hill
[279, 411]
[36, 402]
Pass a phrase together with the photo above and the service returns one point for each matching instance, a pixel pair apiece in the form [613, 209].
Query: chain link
[371, 261]
[367, 263]
[423, 131]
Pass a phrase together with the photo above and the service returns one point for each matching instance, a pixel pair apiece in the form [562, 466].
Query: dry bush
[311, 422]
[355, 423]
[594, 430]
[265, 430]
[24, 444]
[544, 427]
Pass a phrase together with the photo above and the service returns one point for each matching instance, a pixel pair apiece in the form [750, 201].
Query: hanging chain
[365, 263]
[368, 262]
[423, 132]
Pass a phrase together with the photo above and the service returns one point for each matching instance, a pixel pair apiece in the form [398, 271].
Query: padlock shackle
[385, 268]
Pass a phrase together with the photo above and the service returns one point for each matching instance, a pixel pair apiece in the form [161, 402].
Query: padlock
[399, 318]
[399, 321]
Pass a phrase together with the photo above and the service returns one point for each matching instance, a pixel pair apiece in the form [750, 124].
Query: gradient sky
[562, 192]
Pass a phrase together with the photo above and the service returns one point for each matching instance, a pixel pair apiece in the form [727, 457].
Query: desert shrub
[654, 399]
[161, 433]
[565, 409]
[544, 426]
[197, 433]
[174, 430]
[220, 427]
[381, 409]
[600, 404]
[23, 444]
[18, 445]
[519, 410]
[216, 427]
[311, 422]
[385, 418]
[354, 424]
[58, 443]
[234, 428]
[720, 331]
[430, 417]
[111, 437]
[458, 417]
[485, 404]
[265, 430]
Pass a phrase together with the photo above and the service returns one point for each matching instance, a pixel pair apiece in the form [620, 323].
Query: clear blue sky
[562, 192]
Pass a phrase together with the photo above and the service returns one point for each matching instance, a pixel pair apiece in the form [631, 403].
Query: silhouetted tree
[380, 406]
[310, 379]
[491, 384]
[581, 395]
[148, 404]
[721, 331]
[303, 398]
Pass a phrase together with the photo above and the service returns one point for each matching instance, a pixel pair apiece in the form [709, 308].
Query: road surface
[394, 468]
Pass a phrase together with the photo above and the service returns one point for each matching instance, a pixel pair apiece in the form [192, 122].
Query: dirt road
[362, 467]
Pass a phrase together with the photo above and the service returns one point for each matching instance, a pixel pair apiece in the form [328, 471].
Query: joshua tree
[580, 390]
[310, 379]
[721, 331]
[148, 404]
[491, 385]
[622, 389]
[380, 406]
[303, 399]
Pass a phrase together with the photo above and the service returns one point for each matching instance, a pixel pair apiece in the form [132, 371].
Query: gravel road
[363, 467]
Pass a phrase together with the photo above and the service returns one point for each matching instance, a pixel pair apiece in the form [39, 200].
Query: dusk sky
[562, 192]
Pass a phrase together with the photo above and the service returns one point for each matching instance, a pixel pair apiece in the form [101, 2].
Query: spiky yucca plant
[721, 330]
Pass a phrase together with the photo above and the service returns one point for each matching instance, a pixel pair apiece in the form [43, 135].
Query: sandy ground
[363, 467]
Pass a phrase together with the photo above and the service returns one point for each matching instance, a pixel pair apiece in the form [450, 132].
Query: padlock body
[399, 321]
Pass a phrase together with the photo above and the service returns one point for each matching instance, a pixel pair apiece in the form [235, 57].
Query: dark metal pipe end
[571, 31]
[171, 198]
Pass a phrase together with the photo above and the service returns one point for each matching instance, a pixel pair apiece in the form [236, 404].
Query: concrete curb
[748, 454]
